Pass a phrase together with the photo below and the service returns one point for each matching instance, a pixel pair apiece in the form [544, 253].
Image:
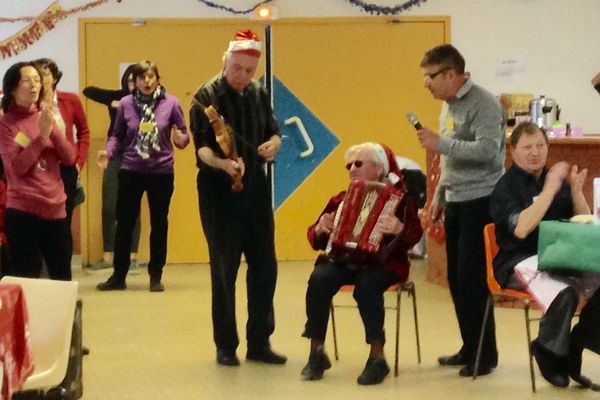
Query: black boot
[376, 369]
[112, 283]
[318, 362]
[551, 366]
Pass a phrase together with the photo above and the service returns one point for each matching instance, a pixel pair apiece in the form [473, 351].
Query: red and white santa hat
[246, 42]
[387, 158]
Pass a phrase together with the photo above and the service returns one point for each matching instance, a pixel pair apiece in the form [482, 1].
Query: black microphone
[412, 118]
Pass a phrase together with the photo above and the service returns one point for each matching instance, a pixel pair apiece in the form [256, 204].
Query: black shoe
[318, 362]
[156, 286]
[454, 359]
[266, 355]
[574, 362]
[484, 369]
[375, 371]
[85, 351]
[228, 358]
[551, 366]
[112, 284]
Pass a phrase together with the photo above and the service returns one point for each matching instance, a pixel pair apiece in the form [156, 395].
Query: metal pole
[269, 87]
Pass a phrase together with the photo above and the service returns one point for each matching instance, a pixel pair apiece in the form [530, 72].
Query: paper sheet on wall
[509, 70]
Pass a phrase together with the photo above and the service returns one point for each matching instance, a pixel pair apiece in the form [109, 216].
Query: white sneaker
[98, 266]
[134, 268]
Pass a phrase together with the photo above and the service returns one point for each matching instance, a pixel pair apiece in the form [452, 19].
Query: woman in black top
[111, 99]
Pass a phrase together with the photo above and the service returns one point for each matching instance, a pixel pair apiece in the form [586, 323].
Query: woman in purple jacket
[149, 122]
[110, 177]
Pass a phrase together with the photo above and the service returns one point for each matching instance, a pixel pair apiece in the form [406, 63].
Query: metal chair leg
[398, 304]
[488, 305]
[408, 287]
[335, 346]
[528, 330]
[412, 292]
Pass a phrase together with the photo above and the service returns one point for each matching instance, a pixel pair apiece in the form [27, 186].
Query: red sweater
[397, 259]
[33, 170]
[2, 211]
[72, 113]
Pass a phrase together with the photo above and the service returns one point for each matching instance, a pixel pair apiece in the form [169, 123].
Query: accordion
[354, 233]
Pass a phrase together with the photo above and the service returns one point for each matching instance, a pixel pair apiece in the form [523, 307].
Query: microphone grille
[412, 117]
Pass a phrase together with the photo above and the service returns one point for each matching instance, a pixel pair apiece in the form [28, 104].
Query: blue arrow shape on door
[306, 142]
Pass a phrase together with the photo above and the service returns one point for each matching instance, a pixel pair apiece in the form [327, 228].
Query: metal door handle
[309, 144]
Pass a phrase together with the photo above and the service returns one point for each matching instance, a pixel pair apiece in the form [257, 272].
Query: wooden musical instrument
[226, 141]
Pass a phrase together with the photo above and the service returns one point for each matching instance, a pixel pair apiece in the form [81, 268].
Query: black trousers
[555, 326]
[236, 224]
[69, 176]
[110, 188]
[370, 282]
[465, 251]
[586, 333]
[34, 240]
[159, 189]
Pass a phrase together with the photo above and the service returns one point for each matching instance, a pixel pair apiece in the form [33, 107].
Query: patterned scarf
[148, 130]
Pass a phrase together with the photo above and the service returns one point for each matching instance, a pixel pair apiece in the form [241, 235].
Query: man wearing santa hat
[371, 276]
[238, 222]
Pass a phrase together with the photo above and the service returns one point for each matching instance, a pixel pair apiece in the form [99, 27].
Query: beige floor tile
[159, 346]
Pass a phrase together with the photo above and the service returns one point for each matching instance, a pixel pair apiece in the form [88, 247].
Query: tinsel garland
[64, 13]
[38, 26]
[386, 10]
[231, 10]
[368, 7]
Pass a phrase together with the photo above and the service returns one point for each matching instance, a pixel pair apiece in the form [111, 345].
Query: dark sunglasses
[356, 163]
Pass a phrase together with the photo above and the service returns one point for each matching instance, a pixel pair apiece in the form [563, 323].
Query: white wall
[552, 44]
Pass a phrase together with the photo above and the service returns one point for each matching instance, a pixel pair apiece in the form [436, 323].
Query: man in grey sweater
[471, 144]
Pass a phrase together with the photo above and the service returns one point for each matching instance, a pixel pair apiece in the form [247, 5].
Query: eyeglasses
[430, 77]
[356, 163]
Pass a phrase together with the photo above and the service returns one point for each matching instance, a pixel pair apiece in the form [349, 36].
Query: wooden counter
[583, 151]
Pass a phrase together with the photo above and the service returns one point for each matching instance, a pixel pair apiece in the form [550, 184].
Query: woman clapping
[32, 150]
[149, 122]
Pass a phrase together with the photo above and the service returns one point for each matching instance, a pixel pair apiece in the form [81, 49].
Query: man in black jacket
[236, 222]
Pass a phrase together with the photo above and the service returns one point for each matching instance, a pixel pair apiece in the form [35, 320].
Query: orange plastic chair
[407, 287]
[502, 296]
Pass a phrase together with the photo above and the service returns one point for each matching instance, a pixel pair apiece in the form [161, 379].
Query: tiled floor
[159, 346]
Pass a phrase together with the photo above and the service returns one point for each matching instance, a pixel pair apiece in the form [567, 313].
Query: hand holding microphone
[427, 137]
[412, 118]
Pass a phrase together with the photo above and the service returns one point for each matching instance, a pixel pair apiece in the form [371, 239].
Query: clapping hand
[177, 136]
[577, 179]
[102, 159]
[556, 175]
[46, 122]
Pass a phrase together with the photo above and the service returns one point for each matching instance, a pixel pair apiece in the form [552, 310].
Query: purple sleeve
[178, 119]
[113, 147]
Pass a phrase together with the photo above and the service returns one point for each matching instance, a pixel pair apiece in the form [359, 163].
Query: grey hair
[370, 146]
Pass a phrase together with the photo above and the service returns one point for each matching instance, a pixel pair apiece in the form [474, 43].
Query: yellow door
[358, 76]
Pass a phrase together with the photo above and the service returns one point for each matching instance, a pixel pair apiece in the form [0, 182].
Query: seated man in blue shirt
[525, 195]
